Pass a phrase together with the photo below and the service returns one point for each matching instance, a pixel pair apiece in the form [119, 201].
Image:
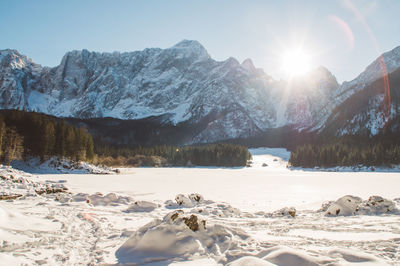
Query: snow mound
[201, 206]
[249, 260]
[190, 201]
[96, 199]
[183, 236]
[377, 205]
[351, 205]
[141, 206]
[355, 257]
[281, 255]
[111, 199]
[221, 210]
[287, 211]
[55, 165]
[344, 206]
[18, 184]
[288, 256]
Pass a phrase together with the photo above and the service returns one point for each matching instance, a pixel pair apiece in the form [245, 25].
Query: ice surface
[246, 214]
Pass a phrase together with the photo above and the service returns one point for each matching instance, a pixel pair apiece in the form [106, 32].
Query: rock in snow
[350, 205]
[55, 165]
[182, 235]
[15, 184]
[141, 206]
[189, 201]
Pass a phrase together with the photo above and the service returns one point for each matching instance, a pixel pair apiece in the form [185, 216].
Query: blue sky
[342, 35]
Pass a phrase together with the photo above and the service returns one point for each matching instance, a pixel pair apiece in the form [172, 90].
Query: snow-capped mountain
[181, 84]
[370, 103]
[184, 85]
[383, 65]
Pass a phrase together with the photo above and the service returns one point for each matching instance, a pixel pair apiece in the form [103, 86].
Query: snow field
[248, 216]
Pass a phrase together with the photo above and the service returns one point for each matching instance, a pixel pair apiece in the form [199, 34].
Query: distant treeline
[202, 155]
[349, 151]
[24, 134]
[40, 135]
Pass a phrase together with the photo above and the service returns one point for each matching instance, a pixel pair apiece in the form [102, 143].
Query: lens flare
[387, 100]
[345, 28]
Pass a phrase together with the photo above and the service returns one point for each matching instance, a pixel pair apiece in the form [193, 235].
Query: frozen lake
[250, 189]
[242, 209]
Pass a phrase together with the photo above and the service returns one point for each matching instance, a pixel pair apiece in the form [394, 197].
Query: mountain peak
[13, 58]
[9, 51]
[192, 48]
[322, 74]
[392, 59]
[248, 65]
[188, 43]
[320, 71]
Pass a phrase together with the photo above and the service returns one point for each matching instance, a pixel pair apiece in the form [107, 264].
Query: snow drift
[183, 235]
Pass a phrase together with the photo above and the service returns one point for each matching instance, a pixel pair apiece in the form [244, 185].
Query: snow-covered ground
[261, 215]
[54, 165]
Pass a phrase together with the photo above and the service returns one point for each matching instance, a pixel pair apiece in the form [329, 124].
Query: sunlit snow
[263, 215]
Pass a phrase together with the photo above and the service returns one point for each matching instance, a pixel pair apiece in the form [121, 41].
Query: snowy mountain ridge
[383, 65]
[181, 84]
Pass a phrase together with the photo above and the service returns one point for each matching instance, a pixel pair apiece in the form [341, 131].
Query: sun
[295, 62]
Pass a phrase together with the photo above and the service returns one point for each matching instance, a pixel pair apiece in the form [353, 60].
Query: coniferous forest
[220, 154]
[383, 150]
[24, 134]
[32, 134]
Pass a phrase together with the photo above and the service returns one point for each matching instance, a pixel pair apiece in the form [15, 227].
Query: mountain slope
[367, 112]
[370, 104]
[179, 84]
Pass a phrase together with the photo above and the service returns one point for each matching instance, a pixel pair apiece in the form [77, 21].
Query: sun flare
[295, 62]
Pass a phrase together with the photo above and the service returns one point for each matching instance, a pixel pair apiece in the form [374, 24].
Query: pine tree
[2, 135]
[89, 148]
[12, 146]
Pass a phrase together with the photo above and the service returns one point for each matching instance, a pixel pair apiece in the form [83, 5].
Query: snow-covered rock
[16, 184]
[287, 211]
[55, 165]
[344, 206]
[199, 205]
[141, 206]
[377, 205]
[190, 201]
[351, 205]
[183, 235]
[98, 199]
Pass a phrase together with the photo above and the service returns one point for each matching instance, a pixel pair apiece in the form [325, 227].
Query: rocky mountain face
[369, 104]
[369, 111]
[181, 86]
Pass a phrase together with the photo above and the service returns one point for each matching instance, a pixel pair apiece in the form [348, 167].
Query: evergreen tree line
[221, 154]
[10, 143]
[43, 136]
[24, 134]
[381, 150]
